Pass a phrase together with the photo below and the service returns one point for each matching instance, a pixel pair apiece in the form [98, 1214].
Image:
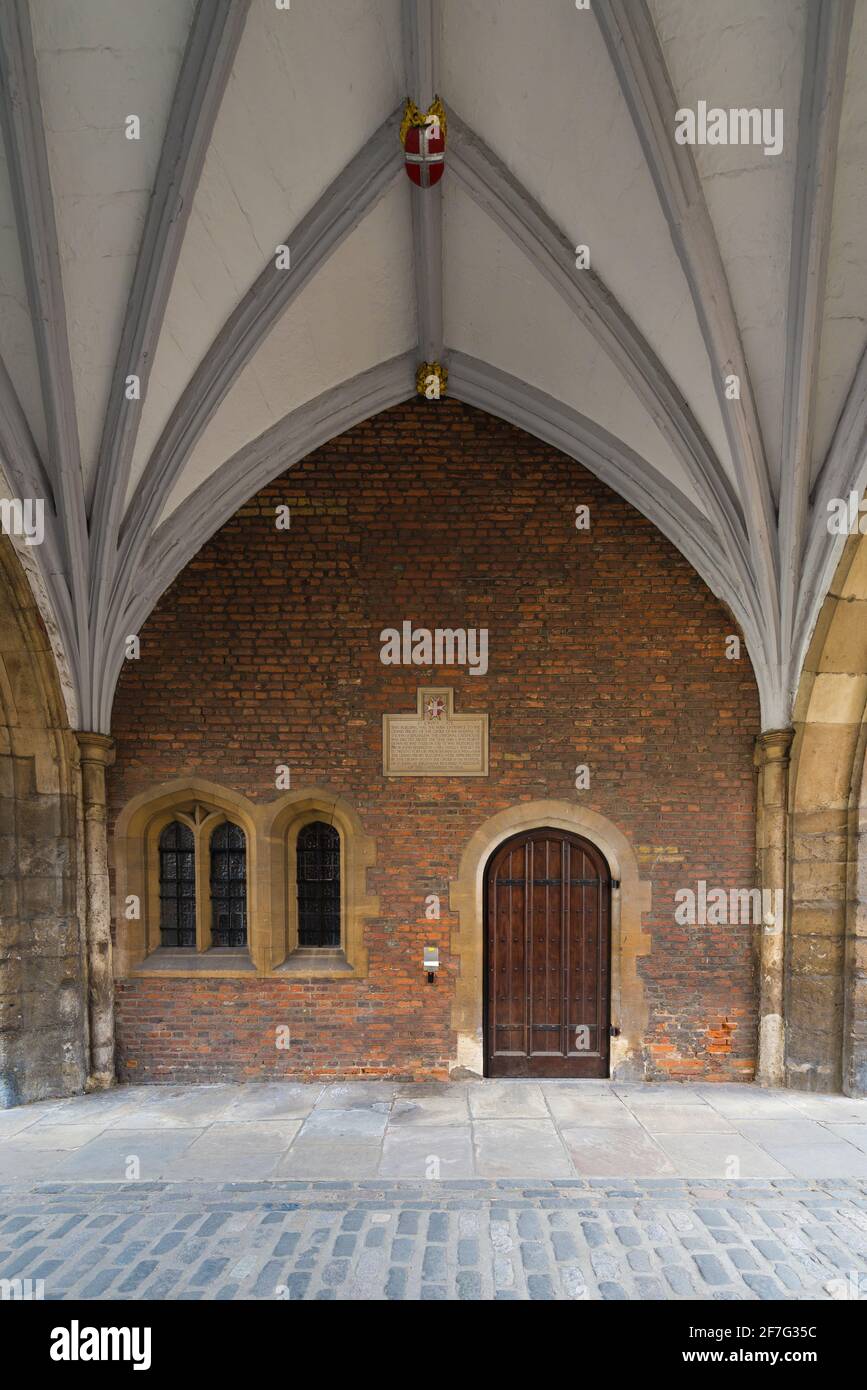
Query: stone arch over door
[826, 948]
[43, 1005]
[630, 899]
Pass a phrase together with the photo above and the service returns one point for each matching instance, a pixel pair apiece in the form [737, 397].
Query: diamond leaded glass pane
[318, 854]
[228, 886]
[177, 886]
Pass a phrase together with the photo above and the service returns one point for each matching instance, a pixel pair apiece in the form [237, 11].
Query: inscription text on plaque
[435, 742]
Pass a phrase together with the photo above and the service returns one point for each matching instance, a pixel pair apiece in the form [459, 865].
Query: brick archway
[630, 900]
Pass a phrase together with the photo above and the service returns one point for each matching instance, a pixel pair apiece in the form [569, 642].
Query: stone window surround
[271, 829]
[202, 827]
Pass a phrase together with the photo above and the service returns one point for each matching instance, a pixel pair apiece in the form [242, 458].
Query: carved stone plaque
[435, 742]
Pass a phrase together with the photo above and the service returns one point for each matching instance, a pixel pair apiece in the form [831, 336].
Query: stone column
[772, 762]
[854, 1069]
[97, 753]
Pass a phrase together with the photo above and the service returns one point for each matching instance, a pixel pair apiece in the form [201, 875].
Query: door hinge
[615, 883]
[613, 1032]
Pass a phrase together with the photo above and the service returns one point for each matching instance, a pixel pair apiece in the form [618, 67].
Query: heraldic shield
[423, 136]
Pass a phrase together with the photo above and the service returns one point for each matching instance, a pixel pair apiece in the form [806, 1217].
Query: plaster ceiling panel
[536, 83]
[308, 86]
[500, 309]
[100, 61]
[733, 53]
[358, 311]
[844, 330]
[17, 346]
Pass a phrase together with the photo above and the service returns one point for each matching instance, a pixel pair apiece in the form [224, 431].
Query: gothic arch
[43, 1026]
[826, 949]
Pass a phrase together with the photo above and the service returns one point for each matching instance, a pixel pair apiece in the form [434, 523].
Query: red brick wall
[605, 648]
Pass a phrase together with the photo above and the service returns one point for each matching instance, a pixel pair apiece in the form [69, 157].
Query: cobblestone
[469, 1240]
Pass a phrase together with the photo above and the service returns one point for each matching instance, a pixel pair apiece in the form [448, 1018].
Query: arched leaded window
[318, 852]
[177, 886]
[228, 886]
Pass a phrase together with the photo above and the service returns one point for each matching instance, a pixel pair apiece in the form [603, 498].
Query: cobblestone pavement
[470, 1239]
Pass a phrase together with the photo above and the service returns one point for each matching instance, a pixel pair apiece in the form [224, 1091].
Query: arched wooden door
[548, 944]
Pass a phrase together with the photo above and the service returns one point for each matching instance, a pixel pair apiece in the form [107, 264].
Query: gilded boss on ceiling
[423, 136]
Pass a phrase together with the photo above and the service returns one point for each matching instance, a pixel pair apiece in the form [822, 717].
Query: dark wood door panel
[547, 912]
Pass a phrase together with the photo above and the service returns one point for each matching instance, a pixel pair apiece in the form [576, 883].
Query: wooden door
[548, 913]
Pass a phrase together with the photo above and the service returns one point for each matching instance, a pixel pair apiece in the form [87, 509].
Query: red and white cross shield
[425, 153]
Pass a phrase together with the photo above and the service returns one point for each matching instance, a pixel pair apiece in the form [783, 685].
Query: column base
[771, 1065]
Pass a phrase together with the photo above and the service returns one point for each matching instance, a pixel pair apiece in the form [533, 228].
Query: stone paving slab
[674, 1117]
[229, 1152]
[616, 1152]
[508, 1100]
[714, 1155]
[114, 1151]
[456, 1240]
[520, 1147]
[853, 1134]
[580, 1109]
[425, 1151]
[272, 1100]
[322, 1156]
[820, 1160]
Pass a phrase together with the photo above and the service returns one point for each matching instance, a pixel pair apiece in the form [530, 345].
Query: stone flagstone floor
[489, 1129]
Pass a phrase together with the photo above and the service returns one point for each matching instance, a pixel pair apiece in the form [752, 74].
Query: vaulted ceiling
[263, 126]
